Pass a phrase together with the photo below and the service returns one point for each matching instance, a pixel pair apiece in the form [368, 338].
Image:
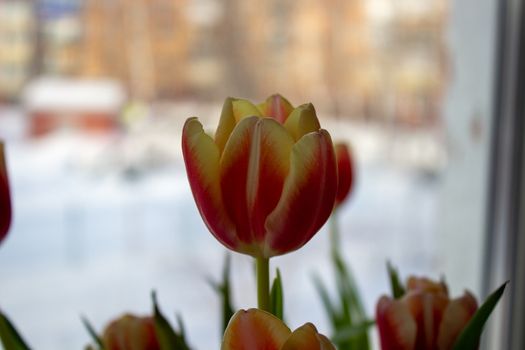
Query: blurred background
[93, 96]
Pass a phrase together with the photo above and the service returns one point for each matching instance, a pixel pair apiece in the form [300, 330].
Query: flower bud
[131, 333]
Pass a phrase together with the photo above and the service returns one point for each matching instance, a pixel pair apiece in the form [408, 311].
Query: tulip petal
[5, 197]
[397, 328]
[308, 195]
[233, 111]
[131, 332]
[456, 316]
[234, 165]
[254, 166]
[344, 172]
[254, 329]
[306, 337]
[269, 165]
[244, 108]
[226, 124]
[201, 156]
[427, 310]
[302, 120]
[423, 284]
[276, 107]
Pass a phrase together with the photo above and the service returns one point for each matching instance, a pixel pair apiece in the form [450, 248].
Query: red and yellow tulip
[255, 329]
[131, 333]
[424, 318]
[5, 197]
[267, 181]
[345, 172]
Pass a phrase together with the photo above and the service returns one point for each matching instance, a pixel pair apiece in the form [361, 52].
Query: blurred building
[16, 46]
[143, 43]
[59, 36]
[413, 60]
[92, 106]
[348, 57]
[416, 60]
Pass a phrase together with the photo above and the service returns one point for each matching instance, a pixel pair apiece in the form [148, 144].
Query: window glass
[103, 213]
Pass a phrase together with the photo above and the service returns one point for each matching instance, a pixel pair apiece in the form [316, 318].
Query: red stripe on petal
[276, 107]
[201, 157]
[234, 177]
[397, 328]
[427, 310]
[269, 165]
[308, 195]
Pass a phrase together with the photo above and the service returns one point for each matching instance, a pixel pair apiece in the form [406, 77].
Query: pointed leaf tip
[276, 296]
[10, 338]
[469, 338]
[92, 333]
[398, 290]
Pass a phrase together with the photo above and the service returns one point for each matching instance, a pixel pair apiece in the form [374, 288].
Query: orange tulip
[255, 329]
[424, 318]
[267, 182]
[345, 171]
[5, 197]
[131, 333]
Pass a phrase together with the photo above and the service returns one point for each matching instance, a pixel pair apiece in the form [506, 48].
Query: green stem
[334, 233]
[263, 283]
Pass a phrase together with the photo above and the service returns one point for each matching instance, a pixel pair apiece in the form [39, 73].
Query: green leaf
[346, 311]
[325, 299]
[182, 329]
[397, 287]
[471, 334]
[352, 332]
[354, 310]
[276, 296]
[223, 289]
[11, 339]
[94, 336]
[168, 338]
[348, 289]
[348, 318]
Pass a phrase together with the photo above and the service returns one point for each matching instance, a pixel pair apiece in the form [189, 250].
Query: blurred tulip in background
[132, 333]
[345, 172]
[423, 318]
[5, 196]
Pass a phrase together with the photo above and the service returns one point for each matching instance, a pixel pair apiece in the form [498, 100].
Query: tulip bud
[267, 182]
[424, 318]
[131, 333]
[345, 172]
[255, 329]
[5, 197]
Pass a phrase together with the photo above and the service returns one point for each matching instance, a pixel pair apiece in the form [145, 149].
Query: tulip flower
[424, 318]
[131, 333]
[5, 197]
[255, 329]
[266, 183]
[345, 171]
